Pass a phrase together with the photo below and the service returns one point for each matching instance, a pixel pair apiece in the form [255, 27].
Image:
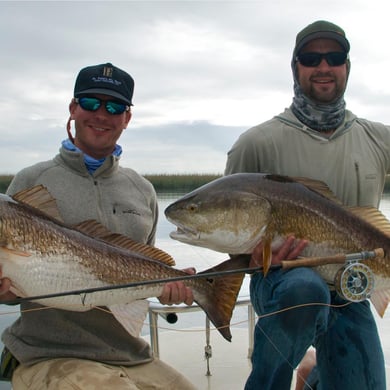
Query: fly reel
[354, 282]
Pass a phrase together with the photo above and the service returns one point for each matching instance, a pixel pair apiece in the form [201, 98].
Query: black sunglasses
[92, 104]
[335, 58]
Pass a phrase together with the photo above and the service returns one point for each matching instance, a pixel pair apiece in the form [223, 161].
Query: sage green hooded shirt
[353, 161]
[124, 202]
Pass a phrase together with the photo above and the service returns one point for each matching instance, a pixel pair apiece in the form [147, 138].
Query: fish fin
[14, 252]
[380, 299]
[97, 230]
[370, 214]
[93, 228]
[267, 255]
[39, 198]
[131, 315]
[143, 249]
[220, 296]
[312, 184]
[374, 217]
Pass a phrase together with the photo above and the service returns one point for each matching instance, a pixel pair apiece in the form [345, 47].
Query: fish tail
[267, 255]
[221, 295]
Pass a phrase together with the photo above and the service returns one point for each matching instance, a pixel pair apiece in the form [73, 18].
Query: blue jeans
[349, 353]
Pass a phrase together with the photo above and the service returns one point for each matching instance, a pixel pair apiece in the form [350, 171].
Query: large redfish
[41, 255]
[233, 213]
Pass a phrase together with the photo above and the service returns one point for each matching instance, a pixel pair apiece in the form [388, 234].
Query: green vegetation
[168, 182]
[4, 182]
[179, 183]
[162, 183]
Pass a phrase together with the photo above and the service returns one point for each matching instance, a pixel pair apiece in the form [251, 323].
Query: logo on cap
[107, 71]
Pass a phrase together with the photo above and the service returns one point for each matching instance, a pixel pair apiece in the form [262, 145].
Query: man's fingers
[5, 285]
[289, 250]
[284, 250]
[175, 293]
[297, 249]
[189, 270]
[189, 299]
[5, 293]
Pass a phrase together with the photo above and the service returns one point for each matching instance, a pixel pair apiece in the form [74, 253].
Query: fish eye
[192, 207]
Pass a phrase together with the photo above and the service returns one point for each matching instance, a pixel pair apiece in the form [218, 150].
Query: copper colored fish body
[41, 255]
[232, 214]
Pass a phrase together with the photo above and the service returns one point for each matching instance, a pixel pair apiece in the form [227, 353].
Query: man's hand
[290, 249]
[177, 292]
[5, 293]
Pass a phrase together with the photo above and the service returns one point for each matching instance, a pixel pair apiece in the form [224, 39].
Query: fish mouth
[183, 232]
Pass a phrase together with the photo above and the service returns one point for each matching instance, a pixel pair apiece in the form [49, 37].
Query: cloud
[204, 71]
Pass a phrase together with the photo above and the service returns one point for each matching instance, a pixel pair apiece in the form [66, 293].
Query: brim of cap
[104, 91]
[324, 34]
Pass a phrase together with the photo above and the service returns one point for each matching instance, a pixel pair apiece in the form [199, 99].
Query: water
[201, 258]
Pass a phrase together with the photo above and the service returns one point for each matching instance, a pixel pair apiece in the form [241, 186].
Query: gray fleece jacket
[124, 202]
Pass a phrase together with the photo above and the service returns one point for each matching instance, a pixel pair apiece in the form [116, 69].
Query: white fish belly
[36, 277]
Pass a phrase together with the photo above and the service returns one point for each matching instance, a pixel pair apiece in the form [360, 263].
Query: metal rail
[156, 309]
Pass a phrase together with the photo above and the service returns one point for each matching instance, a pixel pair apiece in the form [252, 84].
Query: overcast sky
[204, 71]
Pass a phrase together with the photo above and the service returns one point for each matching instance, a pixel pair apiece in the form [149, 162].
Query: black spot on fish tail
[221, 294]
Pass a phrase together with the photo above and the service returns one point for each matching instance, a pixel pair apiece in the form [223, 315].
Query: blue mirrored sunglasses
[335, 58]
[92, 104]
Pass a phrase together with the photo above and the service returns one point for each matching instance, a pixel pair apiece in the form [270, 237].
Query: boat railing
[169, 313]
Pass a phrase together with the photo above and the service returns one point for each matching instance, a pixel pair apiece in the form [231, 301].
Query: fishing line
[303, 305]
[258, 317]
[281, 354]
[284, 310]
[232, 324]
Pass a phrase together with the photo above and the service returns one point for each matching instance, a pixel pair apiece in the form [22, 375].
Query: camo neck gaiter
[319, 117]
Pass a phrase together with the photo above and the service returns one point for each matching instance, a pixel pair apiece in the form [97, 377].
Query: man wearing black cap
[60, 349]
[318, 138]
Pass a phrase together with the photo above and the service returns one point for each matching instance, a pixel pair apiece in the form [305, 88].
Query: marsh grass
[169, 182]
[4, 182]
[162, 183]
[179, 182]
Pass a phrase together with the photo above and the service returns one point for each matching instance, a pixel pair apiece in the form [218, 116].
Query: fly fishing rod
[349, 259]
[354, 281]
[336, 259]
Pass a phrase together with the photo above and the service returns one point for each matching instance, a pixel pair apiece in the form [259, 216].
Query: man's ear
[69, 129]
[72, 107]
[129, 114]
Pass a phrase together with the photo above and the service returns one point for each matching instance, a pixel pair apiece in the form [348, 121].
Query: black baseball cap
[105, 79]
[321, 29]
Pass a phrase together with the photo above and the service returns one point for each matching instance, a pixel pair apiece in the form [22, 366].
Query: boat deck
[199, 352]
[209, 361]
[186, 343]
[226, 369]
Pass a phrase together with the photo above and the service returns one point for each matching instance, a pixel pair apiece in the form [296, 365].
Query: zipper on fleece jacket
[357, 182]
